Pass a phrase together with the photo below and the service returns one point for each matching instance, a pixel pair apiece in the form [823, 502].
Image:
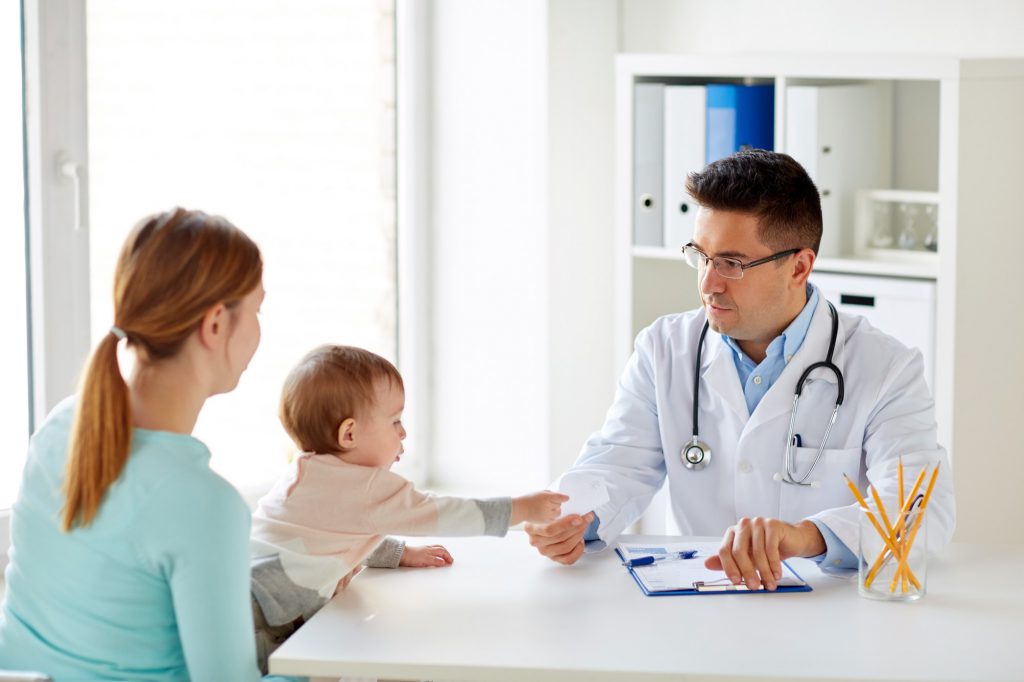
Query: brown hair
[173, 268]
[771, 186]
[328, 386]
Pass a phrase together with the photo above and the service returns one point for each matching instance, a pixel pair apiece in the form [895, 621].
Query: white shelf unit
[956, 132]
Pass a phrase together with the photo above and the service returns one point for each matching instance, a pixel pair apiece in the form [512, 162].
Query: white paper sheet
[586, 493]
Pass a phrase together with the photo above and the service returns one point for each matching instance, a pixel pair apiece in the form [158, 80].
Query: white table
[502, 612]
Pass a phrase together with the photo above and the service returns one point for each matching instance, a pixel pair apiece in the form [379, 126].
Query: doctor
[755, 241]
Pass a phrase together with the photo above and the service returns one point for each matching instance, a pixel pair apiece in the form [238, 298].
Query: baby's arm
[537, 507]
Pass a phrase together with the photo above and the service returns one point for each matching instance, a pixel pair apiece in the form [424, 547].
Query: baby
[328, 516]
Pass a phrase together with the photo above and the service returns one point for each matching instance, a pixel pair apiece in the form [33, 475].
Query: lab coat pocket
[827, 489]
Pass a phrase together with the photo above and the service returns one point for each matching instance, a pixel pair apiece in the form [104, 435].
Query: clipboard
[678, 577]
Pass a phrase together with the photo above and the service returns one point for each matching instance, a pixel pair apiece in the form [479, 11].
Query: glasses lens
[693, 257]
[729, 268]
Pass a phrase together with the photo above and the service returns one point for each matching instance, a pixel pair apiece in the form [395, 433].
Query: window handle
[68, 169]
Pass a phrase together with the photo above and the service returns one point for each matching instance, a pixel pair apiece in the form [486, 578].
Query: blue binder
[739, 117]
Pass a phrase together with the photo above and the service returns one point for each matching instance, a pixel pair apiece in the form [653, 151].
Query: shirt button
[757, 380]
[745, 467]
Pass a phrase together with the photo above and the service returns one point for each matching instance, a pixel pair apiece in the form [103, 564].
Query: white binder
[648, 163]
[685, 133]
[842, 136]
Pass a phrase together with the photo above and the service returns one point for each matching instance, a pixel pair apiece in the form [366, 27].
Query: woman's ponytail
[100, 437]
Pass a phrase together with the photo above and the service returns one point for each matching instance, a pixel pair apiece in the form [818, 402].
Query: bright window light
[280, 117]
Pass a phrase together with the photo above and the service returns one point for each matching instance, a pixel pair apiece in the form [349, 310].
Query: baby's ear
[347, 435]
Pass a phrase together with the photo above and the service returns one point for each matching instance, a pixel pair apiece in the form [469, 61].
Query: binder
[842, 136]
[685, 144]
[648, 163]
[689, 577]
[739, 117]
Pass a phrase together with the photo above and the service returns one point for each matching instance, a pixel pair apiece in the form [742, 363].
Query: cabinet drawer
[904, 308]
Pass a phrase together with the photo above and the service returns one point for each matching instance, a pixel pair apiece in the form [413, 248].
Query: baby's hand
[538, 507]
[430, 556]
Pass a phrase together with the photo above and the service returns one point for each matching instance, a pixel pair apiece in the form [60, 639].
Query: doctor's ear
[346, 434]
[803, 263]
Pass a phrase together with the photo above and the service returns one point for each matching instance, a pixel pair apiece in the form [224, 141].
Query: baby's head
[345, 401]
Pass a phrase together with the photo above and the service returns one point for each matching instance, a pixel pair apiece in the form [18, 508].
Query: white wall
[582, 41]
[521, 223]
[977, 28]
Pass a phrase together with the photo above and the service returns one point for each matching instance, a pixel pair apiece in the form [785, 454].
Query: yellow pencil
[904, 510]
[874, 522]
[903, 568]
[900, 470]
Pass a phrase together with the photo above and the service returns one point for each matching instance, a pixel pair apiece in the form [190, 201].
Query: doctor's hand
[752, 551]
[560, 540]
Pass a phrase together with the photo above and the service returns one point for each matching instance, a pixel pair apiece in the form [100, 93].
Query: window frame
[55, 130]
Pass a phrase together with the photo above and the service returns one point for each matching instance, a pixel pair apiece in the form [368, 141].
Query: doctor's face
[757, 307]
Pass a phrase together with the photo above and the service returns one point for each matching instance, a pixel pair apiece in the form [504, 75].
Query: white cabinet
[903, 308]
[945, 126]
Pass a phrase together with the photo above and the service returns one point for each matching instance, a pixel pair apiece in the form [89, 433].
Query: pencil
[903, 568]
[900, 470]
[905, 509]
[874, 522]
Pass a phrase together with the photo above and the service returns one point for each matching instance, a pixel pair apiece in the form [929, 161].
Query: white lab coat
[888, 412]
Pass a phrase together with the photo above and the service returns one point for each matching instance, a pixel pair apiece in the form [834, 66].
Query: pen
[647, 560]
[797, 441]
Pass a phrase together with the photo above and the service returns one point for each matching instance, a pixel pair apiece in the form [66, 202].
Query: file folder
[681, 577]
[739, 117]
[685, 133]
[648, 163]
[842, 136]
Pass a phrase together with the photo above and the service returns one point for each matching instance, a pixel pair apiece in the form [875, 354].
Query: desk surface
[502, 612]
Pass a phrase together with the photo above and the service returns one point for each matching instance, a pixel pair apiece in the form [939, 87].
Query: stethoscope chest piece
[695, 456]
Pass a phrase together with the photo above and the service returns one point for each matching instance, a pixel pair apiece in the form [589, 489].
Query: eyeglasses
[730, 268]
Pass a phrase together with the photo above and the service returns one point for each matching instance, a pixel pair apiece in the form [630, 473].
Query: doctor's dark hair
[173, 268]
[329, 385]
[770, 186]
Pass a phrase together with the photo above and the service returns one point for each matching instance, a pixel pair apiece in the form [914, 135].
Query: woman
[129, 556]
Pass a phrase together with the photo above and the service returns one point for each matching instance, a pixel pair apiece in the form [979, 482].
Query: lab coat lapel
[719, 374]
[779, 398]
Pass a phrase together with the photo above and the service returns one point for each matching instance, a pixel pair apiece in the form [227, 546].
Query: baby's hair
[329, 385]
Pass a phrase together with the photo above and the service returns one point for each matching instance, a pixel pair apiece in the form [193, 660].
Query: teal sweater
[155, 588]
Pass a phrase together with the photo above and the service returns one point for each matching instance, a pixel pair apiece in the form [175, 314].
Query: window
[14, 399]
[280, 117]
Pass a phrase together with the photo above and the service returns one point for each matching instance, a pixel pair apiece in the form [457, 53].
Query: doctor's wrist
[812, 542]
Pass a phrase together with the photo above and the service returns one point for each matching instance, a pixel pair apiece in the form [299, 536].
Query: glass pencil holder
[893, 566]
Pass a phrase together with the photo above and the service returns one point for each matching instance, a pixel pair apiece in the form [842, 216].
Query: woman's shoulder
[173, 470]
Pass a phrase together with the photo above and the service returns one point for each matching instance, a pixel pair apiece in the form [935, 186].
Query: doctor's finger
[759, 554]
[741, 546]
[772, 539]
[571, 556]
[725, 557]
[560, 529]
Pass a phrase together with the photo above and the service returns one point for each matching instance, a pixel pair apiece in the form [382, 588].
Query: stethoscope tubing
[827, 364]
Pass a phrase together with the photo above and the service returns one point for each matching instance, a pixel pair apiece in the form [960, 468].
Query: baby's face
[381, 431]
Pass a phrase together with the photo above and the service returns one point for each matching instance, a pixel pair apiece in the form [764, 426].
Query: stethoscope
[697, 455]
